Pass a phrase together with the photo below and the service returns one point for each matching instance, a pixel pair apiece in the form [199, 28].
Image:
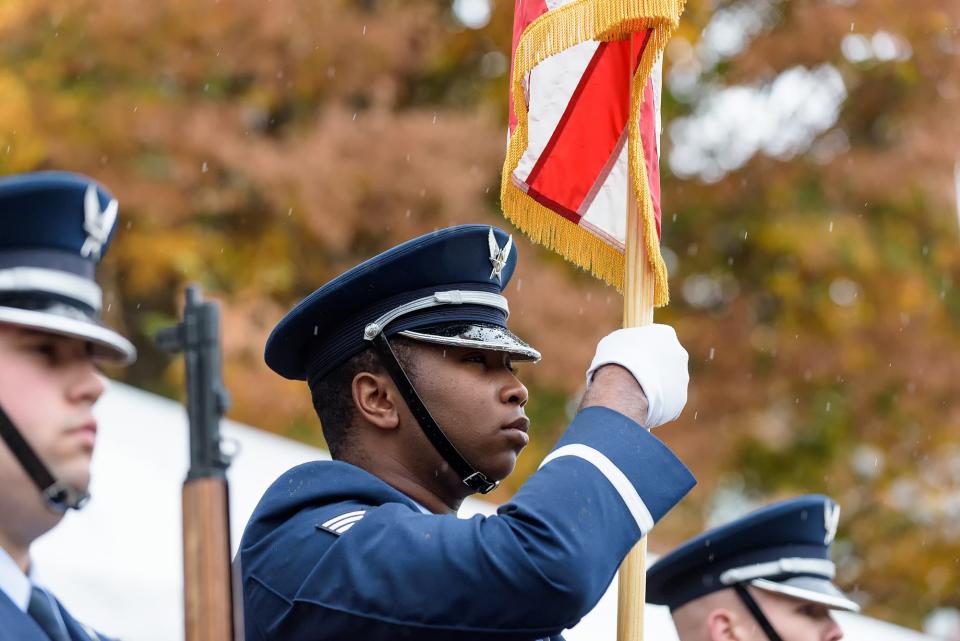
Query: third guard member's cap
[54, 229]
[783, 548]
[444, 287]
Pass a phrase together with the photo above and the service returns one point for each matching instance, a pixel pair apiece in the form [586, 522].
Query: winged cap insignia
[498, 256]
[96, 223]
[831, 519]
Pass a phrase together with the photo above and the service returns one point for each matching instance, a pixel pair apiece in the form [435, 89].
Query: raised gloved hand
[657, 360]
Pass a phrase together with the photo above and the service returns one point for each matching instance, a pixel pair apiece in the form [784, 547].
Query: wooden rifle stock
[207, 575]
[207, 595]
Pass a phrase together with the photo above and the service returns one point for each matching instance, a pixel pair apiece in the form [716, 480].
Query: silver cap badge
[831, 519]
[96, 223]
[498, 256]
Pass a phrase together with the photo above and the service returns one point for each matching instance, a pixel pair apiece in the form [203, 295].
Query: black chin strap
[471, 477]
[59, 496]
[757, 613]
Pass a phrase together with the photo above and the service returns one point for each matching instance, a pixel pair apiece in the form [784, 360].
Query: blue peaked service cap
[444, 288]
[54, 229]
[783, 548]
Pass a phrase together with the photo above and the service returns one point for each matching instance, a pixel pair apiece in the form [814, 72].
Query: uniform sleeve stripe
[339, 524]
[339, 520]
[344, 528]
[618, 479]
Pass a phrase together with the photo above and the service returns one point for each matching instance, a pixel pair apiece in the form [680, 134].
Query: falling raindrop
[712, 352]
[203, 167]
[830, 228]
[843, 291]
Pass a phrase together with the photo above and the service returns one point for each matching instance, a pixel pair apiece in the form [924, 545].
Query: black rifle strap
[757, 613]
[57, 495]
[471, 477]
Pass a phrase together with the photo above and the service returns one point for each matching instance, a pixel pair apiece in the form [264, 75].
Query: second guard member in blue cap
[410, 365]
[54, 229]
[765, 577]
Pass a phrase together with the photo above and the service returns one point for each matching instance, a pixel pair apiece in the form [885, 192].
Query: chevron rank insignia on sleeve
[340, 524]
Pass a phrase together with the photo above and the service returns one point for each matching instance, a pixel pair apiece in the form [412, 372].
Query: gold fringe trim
[551, 33]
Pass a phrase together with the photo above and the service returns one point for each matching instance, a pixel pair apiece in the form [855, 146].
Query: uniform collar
[420, 507]
[13, 582]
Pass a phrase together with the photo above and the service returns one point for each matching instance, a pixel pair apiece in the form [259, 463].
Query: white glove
[657, 360]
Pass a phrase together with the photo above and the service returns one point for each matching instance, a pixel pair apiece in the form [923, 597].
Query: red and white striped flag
[584, 120]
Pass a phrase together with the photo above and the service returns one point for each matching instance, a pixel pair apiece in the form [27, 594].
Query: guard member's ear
[375, 400]
[722, 626]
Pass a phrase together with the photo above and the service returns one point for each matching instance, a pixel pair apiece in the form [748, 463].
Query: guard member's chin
[501, 467]
[76, 476]
[497, 469]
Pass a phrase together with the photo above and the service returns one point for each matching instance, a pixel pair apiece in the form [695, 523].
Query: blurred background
[810, 193]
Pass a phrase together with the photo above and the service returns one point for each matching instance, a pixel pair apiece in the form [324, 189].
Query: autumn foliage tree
[810, 222]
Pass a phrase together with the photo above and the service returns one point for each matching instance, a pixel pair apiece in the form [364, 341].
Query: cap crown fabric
[45, 210]
[800, 528]
[327, 327]
[54, 228]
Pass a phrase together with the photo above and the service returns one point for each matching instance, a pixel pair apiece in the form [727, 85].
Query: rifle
[208, 595]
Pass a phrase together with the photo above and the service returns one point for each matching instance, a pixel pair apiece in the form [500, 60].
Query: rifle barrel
[208, 595]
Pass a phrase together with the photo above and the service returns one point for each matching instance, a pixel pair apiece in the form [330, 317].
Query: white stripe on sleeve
[618, 479]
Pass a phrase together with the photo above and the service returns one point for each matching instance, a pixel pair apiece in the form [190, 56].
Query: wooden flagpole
[637, 311]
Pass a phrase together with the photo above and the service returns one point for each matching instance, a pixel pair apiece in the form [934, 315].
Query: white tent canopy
[116, 565]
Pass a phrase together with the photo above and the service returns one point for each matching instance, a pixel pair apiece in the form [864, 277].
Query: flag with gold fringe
[584, 125]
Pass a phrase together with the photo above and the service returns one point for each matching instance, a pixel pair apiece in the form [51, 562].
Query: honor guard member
[765, 577]
[410, 365]
[54, 229]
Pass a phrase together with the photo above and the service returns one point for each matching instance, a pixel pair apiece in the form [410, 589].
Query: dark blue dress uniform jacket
[332, 552]
[16, 625]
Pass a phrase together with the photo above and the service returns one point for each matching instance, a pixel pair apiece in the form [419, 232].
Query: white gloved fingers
[658, 361]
